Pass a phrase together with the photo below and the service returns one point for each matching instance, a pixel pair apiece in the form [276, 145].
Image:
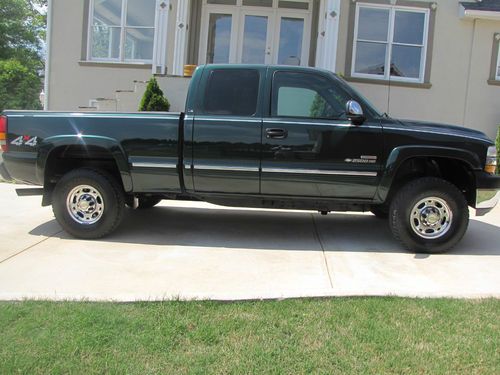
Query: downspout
[469, 71]
[48, 39]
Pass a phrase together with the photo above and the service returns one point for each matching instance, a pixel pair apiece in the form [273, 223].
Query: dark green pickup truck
[256, 136]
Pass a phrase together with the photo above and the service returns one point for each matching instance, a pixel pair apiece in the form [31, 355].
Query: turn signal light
[491, 160]
[3, 134]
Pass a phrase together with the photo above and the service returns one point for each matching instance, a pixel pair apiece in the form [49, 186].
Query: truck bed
[144, 145]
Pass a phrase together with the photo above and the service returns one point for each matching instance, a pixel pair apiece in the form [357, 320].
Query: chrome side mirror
[354, 112]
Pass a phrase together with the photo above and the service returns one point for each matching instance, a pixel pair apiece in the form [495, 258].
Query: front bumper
[487, 192]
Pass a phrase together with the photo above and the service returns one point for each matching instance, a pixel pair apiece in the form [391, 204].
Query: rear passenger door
[227, 129]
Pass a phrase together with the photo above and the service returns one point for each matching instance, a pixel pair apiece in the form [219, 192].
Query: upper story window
[122, 30]
[494, 77]
[498, 66]
[390, 42]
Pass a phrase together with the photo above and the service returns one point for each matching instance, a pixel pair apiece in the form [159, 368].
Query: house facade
[430, 60]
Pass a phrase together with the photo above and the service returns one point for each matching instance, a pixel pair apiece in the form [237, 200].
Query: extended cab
[256, 136]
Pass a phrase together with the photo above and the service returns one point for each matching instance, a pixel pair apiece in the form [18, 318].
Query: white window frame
[238, 12]
[390, 43]
[497, 72]
[123, 27]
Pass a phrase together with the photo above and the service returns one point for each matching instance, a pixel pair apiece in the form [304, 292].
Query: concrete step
[104, 104]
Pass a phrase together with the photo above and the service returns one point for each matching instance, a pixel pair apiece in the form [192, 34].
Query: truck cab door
[226, 133]
[310, 147]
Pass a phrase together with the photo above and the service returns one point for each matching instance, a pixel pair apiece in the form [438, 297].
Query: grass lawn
[341, 335]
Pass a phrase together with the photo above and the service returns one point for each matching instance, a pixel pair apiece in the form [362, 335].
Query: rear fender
[109, 144]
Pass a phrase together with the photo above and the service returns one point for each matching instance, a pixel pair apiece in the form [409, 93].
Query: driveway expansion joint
[29, 247]
[316, 233]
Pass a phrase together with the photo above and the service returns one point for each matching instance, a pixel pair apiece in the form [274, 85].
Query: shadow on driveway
[201, 227]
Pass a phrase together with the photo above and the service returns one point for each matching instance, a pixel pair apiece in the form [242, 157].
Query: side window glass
[302, 102]
[305, 95]
[232, 92]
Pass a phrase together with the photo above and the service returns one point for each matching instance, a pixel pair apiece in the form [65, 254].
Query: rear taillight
[3, 133]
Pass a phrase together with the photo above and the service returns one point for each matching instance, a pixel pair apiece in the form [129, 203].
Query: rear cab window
[231, 92]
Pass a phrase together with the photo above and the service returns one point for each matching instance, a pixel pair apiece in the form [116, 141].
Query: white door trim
[328, 34]
[180, 45]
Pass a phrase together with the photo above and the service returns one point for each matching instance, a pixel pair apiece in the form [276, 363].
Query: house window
[390, 43]
[498, 66]
[122, 30]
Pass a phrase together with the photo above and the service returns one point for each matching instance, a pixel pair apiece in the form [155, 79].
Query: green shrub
[153, 99]
[19, 86]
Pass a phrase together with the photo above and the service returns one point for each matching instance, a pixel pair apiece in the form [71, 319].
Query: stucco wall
[455, 97]
[72, 83]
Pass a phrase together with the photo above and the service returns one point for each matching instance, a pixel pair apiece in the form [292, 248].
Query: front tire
[88, 203]
[145, 203]
[380, 211]
[429, 215]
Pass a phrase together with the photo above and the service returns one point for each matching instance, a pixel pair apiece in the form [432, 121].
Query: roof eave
[479, 14]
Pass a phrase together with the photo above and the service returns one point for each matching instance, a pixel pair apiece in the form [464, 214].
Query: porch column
[328, 33]
[160, 42]
[181, 29]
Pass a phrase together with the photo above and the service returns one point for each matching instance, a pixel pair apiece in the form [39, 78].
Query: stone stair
[127, 100]
[122, 100]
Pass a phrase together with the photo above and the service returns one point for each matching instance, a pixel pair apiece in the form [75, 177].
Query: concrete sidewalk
[201, 251]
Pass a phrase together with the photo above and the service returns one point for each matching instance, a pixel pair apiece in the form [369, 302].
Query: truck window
[232, 92]
[296, 94]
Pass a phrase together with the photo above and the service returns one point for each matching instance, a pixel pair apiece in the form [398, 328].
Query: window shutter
[160, 43]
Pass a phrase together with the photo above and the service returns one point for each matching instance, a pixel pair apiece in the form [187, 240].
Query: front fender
[109, 144]
[401, 154]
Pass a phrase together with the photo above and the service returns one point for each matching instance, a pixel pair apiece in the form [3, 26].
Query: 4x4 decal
[25, 140]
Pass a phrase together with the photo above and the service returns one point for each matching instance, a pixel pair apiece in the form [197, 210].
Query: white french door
[255, 38]
[291, 42]
[254, 35]
[218, 42]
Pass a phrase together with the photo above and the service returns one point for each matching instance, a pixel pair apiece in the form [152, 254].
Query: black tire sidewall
[414, 192]
[381, 212]
[113, 203]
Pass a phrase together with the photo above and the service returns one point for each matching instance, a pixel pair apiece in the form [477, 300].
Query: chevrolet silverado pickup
[256, 136]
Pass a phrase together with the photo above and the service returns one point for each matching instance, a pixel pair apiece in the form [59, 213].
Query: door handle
[276, 133]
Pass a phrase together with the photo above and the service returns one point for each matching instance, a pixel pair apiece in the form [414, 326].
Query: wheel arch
[61, 154]
[410, 162]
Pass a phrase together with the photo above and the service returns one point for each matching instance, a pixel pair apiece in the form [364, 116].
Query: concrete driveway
[201, 251]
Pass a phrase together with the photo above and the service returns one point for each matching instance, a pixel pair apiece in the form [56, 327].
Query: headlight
[491, 160]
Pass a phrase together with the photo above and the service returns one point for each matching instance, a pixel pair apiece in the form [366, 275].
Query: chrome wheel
[85, 204]
[431, 218]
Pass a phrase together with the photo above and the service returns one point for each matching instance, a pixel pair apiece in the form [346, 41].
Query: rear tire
[429, 215]
[88, 203]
